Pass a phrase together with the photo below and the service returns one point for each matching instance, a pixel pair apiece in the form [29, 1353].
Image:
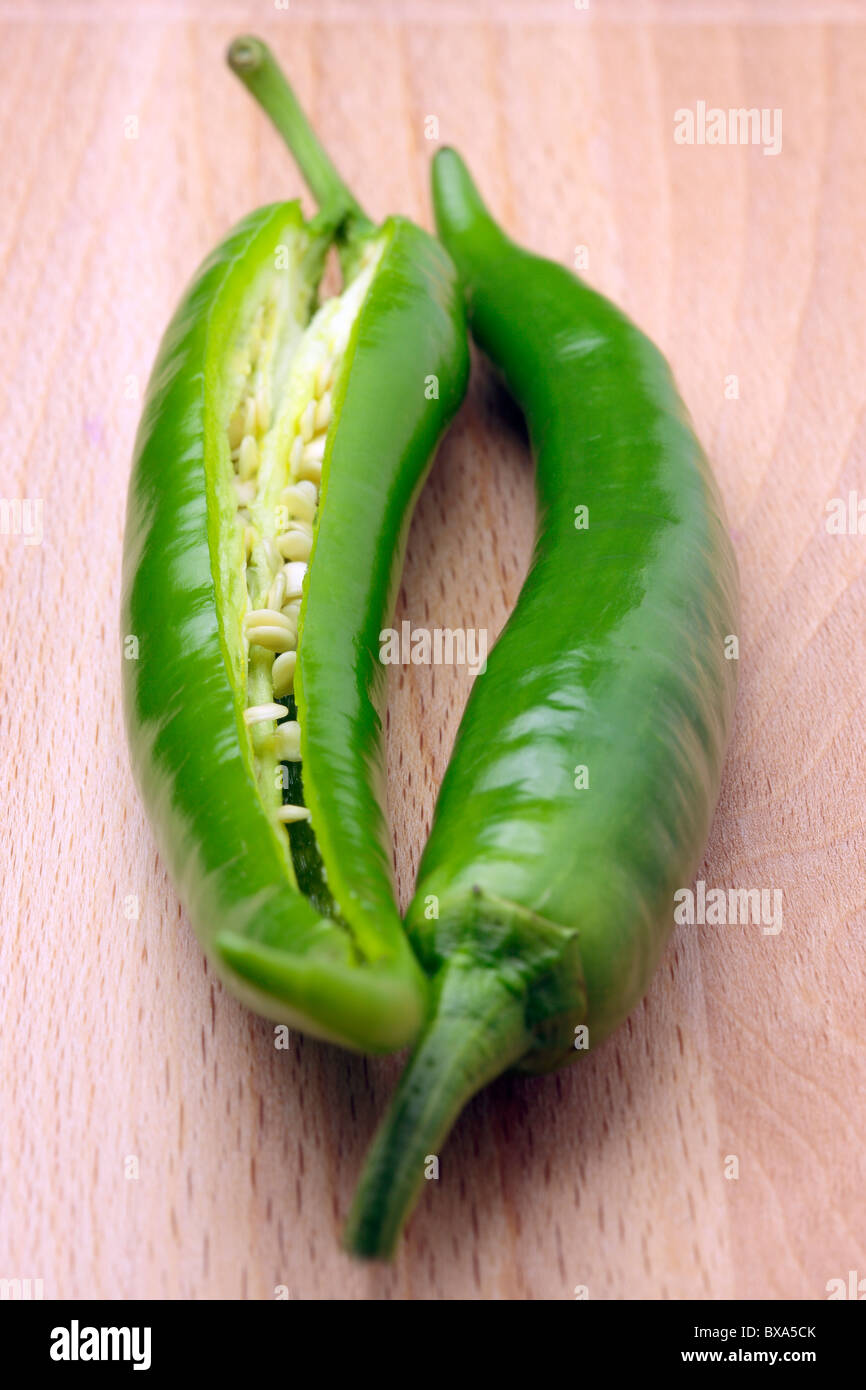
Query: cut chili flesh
[282, 427]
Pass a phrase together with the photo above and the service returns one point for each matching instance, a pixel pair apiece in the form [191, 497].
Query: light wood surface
[116, 1041]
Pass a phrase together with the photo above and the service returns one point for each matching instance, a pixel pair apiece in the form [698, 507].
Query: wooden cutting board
[128, 150]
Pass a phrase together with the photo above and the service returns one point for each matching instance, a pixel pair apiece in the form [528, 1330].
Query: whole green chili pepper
[587, 764]
[279, 454]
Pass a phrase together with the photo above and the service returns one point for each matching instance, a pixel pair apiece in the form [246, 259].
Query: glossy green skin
[542, 905]
[188, 744]
[613, 659]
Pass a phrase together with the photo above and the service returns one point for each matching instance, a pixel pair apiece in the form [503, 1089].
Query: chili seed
[277, 592]
[294, 573]
[264, 617]
[287, 742]
[257, 714]
[249, 457]
[274, 639]
[325, 375]
[272, 555]
[315, 450]
[323, 412]
[246, 492]
[301, 499]
[305, 425]
[236, 431]
[283, 673]
[295, 545]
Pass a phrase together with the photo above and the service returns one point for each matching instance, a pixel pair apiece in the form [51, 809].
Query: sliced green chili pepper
[587, 764]
[280, 452]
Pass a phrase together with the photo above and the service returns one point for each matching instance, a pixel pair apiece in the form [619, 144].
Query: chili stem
[476, 1031]
[254, 63]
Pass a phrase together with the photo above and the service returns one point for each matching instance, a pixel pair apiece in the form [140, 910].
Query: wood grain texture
[116, 1041]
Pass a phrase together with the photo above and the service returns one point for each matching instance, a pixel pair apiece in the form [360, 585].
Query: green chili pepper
[587, 764]
[280, 452]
